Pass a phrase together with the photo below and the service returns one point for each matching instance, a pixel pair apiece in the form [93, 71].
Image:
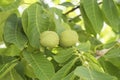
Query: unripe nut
[68, 38]
[49, 39]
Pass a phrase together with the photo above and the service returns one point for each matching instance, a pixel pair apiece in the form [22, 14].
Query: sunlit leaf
[56, 1]
[5, 2]
[13, 6]
[105, 38]
[67, 4]
[30, 1]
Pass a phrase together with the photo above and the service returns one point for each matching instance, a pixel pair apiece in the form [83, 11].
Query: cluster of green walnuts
[51, 39]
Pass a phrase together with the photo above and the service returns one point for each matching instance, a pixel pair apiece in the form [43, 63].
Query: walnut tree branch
[72, 10]
[76, 8]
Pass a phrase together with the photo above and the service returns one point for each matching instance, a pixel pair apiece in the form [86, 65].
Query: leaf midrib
[38, 66]
[36, 18]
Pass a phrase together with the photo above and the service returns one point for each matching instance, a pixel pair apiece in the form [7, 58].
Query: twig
[76, 8]
[74, 17]
[71, 10]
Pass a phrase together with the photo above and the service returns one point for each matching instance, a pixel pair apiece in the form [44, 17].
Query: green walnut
[49, 39]
[68, 38]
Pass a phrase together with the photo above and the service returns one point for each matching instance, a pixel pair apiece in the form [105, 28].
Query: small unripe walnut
[68, 38]
[49, 39]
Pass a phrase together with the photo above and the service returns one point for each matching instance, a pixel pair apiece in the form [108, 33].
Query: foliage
[95, 56]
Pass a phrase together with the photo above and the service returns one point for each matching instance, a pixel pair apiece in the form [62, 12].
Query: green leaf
[30, 1]
[13, 6]
[92, 62]
[24, 19]
[5, 2]
[12, 75]
[56, 1]
[64, 70]
[20, 68]
[88, 74]
[85, 47]
[6, 59]
[111, 14]
[94, 14]
[35, 20]
[12, 50]
[1, 33]
[109, 67]
[88, 26]
[70, 76]
[28, 70]
[63, 55]
[113, 56]
[13, 32]
[60, 25]
[67, 4]
[43, 69]
[3, 17]
[83, 36]
[5, 68]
